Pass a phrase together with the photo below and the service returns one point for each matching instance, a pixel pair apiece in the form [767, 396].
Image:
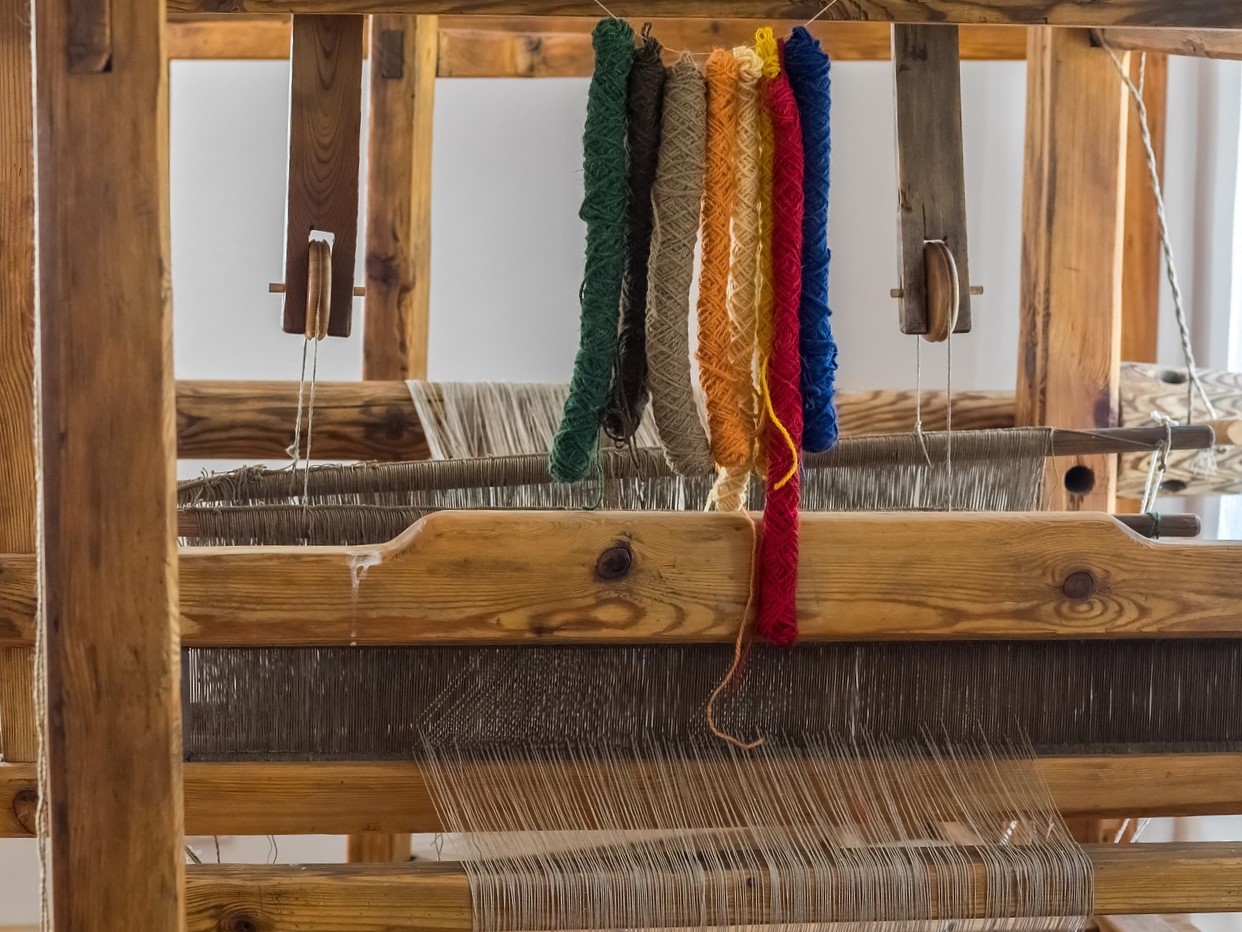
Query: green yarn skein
[605, 170]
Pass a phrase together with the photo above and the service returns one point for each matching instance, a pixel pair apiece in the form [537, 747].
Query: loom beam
[1129, 879]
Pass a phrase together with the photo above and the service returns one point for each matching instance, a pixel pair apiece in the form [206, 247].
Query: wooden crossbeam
[1128, 879]
[531, 578]
[557, 46]
[1198, 43]
[1187, 14]
[260, 798]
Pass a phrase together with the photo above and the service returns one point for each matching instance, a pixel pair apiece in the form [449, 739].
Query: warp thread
[603, 209]
[628, 395]
[723, 386]
[675, 200]
[765, 48]
[729, 493]
[809, 70]
[778, 558]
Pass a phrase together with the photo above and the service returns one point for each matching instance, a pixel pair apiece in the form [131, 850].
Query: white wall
[507, 255]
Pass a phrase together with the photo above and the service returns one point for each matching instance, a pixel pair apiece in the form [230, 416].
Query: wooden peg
[325, 120]
[931, 197]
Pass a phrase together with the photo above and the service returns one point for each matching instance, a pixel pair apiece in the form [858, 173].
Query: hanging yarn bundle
[777, 619]
[808, 68]
[628, 395]
[675, 200]
[604, 210]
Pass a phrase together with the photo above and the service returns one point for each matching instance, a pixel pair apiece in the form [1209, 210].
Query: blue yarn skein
[808, 67]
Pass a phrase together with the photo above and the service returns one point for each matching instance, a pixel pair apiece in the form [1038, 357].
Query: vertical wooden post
[17, 449]
[404, 55]
[108, 548]
[1141, 267]
[1070, 336]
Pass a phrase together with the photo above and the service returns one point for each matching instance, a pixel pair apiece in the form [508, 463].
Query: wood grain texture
[108, 546]
[1198, 14]
[931, 170]
[1148, 388]
[518, 577]
[325, 123]
[551, 46]
[378, 848]
[17, 305]
[1141, 269]
[1074, 194]
[404, 52]
[1198, 43]
[1151, 878]
[394, 797]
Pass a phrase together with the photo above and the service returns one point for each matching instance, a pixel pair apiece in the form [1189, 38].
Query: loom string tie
[604, 211]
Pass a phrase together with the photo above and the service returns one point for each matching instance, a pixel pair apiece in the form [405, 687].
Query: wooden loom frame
[111, 566]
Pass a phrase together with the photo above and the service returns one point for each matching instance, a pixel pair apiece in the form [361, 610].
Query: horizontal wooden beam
[559, 46]
[335, 798]
[377, 420]
[531, 577]
[1198, 43]
[1185, 14]
[435, 896]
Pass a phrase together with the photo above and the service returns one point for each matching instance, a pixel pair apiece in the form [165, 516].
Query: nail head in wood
[615, 562]
[1079, 585]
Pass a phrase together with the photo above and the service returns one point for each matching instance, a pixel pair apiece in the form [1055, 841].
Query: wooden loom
[112, 586]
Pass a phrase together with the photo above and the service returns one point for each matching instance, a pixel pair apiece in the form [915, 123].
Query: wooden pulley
[944, 291]
[318, 288]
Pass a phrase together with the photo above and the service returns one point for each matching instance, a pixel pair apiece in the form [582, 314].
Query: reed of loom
[110, 564]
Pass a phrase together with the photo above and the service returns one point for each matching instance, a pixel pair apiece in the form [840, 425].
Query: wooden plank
[1141, 264]
[391, 797]
[1187, 14]
[557, 46]
[377, 420]
[1074, 193]
[378, 848]
[931, 169]
[1151, 878]
[517, 577]
[18, 740]
[108, 550]
[325, 123]
[404, 52]
[1198, 43]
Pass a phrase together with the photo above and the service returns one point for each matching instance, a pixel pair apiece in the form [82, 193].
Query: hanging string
[604, 210]
[627, 396]
[1158, 467]
[1166, 242]
[778, 618]
[724, 386]
[809, 71]
[675, 200]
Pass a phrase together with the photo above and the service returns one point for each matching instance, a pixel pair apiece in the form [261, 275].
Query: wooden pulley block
[318, 288]
[943, 295]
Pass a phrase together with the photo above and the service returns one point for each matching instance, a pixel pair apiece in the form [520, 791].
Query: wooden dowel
[1129, 879]
[533, 578]
[1158, 526]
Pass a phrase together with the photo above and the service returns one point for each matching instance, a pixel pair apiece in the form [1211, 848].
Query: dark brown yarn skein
[627, 395]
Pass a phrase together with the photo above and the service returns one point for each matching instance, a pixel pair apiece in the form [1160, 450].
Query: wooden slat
[1074, 193]
[1186, 14]
[558, 46]
[473, 577]
[325, 122]
[436, 896]
[391, 797]
[1199, 43]
[17, 451]
[108, 547]
[931, 171]
[404, 52]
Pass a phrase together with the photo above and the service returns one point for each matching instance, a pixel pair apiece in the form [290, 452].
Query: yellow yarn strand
[765, 48]
[776, 421]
